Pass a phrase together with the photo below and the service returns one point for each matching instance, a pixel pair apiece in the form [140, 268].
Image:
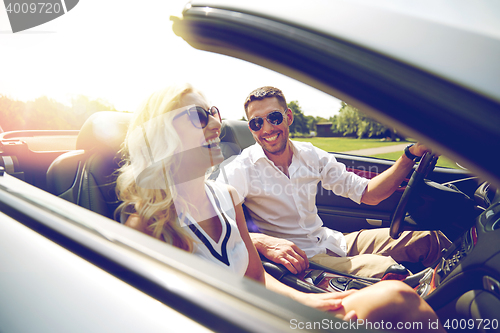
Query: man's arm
[281, 251]
[382, 186]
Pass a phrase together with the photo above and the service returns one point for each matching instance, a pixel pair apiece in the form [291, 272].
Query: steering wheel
[426, 165]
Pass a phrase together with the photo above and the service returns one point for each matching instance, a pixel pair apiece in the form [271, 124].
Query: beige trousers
[371, 252]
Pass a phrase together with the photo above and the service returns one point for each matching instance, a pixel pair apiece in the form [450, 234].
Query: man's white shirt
[286, 207]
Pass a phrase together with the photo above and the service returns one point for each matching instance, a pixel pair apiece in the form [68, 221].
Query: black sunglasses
[273, 118]
[199, 116]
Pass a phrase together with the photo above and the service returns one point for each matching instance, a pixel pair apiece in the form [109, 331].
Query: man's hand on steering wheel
[418, 149]
[281, 251]
[426, 165]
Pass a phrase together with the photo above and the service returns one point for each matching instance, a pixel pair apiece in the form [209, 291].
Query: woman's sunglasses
[199, 116]
[273, 118]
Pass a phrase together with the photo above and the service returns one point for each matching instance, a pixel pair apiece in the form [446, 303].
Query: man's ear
[289, 115]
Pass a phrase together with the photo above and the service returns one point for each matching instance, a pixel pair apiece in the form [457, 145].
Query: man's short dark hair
[265, 92]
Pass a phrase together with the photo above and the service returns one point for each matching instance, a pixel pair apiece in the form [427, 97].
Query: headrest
[104, 130]
[237, 131]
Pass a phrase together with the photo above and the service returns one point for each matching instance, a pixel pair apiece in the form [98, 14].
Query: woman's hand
[324, 301]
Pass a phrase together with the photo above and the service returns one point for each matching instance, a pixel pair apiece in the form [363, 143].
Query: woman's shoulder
[226, 190]
[134, 221]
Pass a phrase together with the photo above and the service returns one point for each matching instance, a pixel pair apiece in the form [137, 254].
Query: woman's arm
[255, 271]
[389, 301]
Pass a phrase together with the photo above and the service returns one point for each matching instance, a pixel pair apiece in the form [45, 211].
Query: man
[278, 180]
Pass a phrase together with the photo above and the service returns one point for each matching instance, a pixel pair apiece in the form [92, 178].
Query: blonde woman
[172, 141]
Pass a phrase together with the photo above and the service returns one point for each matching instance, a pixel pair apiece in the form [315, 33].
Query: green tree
[299, 124]
[312, 121]
[46, 113]
[11, 114]
[83, 107]
[351, 121]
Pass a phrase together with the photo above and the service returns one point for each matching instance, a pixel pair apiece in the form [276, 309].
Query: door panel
[345, 215]
[28, 154]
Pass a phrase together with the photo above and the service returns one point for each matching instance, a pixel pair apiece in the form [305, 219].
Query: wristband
[412, 157]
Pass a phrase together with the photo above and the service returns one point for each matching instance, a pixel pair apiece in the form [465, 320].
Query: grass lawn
[346, 144]
[442, 162]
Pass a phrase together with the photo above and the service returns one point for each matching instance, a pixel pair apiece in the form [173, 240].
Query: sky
[122, 51]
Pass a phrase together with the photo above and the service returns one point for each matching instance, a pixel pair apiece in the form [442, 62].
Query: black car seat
[234, 136]
[87, 175]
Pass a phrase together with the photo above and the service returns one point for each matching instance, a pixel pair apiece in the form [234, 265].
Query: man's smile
[271, 138]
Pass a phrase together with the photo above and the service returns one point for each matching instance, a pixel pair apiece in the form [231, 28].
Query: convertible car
[429, 70]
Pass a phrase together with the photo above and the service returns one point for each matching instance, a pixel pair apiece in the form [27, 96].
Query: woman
[172, 141]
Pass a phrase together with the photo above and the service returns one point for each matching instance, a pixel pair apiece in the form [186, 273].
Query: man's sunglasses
[273, 118]
[199, 116]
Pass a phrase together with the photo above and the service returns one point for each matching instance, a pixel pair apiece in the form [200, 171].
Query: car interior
[85, 175]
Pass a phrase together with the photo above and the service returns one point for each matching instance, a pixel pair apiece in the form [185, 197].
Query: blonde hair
[145, 177]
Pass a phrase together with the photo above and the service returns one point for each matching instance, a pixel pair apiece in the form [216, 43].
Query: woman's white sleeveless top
[230, 251]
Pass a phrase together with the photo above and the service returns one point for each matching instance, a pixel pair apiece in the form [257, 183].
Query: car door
[27, 154]
[67, 269]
